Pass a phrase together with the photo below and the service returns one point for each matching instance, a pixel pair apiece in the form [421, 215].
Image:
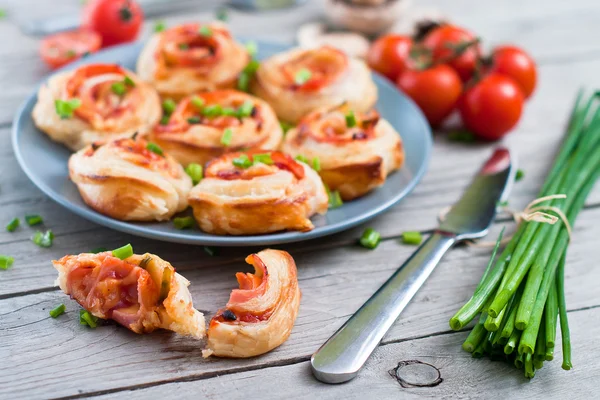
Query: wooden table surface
[57, 358]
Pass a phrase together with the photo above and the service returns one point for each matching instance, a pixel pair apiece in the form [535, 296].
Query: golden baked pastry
[356, 150]
[192, 58]
[141, 292]
[257, 192]
[260, 315]
[299, 81]
[130, 179]
[206, 125]
[96, 102]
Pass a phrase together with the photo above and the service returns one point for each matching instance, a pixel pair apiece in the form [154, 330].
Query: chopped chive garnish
[285, 126]
[164, 120]
[195, 172]
[335, 199]
[3, 14]
[520, 175]
[252, 67]
[123, 252]
[169, 106]
[86, 318]
[263, 158]
[221, 14]
[214, 110]
[98, 250]
[461, 136]
[411, 237]
[316, 164]
[128, 81]
[70, 53]
[211, 251]
[370, 238]
[13, 224]
[229, 111]
[302, 76]
[183, 46]
[66, 108]
[252, 48]
[183, 222]
[6, 261]
[33, 220]
[58, 310]
[194, 120]
[226, 138]
[300, 157]
[197, 102]
[43, 239]
[160, 26]
[242, 161]
[245, 109]
[350, 119]
[205, 31]
[153, 147]
[502, 203]
[118, 88]
[243, 81]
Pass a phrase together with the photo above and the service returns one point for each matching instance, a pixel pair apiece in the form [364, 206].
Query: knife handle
[340, 358]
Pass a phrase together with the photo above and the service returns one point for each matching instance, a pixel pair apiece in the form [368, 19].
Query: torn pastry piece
[130, 179]
[356, 150]
[141, 292]
[206, 125]
[299, 81]
[257, 192]
[95, 102]
[260, 315]
[192, 58]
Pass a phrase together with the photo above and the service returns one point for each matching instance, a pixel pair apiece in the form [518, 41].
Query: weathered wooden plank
[334, 284]
[463, 376]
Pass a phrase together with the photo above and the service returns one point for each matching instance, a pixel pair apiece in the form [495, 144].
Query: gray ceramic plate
[45, 163]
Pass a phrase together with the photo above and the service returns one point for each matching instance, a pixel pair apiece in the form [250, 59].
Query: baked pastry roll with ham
[141, 292]
[130, 179]
[260, 315]
[257, 192]
[95, 102]
[299, 81]
[206, 125]
[356, 150]
[192, 58]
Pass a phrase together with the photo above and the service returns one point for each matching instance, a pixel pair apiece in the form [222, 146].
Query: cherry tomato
[62, 48]
[436, 90]
[492, 107]
[117, 21]
[441, 41]
[389, 54]
[515, 63]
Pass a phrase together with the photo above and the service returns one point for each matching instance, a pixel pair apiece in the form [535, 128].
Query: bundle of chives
[521, 298]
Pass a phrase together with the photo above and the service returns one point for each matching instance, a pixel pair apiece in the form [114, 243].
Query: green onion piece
[183, 46]
[242, 161]
[33, 220]
[245, 109]
[251, 48]
[58, 310]
[263, 158]
[350, 119]
[66, 108]
[128, 81]
[412, 237]
[221, 14]
[316, 164]
[164, 120]
[198, 102]
[153, 147]
[461, 136]
[98, 250]
[169, 106]
[70, 53]
[230, 111]
[226, 138]
[118, 88]
[214, 110]
[370, 238]
[194, 120]
[3, 14]
[252, 67]
[13, 224]
[335, 199]
[86, 318]
[211, 251]
[243, 81]
[43, 239]
[160, 26]
[503, 203]
[6, 261]
[302, 76]
[205, 31]
[183, 222]
[195, 172]
[300, 157]
[520, 175]
[165, 284]
[123, 252]
[285, 126]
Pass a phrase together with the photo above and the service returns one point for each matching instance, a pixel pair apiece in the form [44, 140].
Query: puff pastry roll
[130, 179]
[141, 292]
[95, 102]
[206, 125]
[260, 314]
[257, 192]
[356, 150]
[301, 80]
[191, 58]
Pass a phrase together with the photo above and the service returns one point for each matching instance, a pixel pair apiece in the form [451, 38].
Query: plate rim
[206, 239]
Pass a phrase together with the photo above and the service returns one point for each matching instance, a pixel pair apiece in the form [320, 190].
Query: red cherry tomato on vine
[117, 21]
[492, 107]
[436, 90]
[62, 48]
[389, 54]
[517, 64]
[443, 42]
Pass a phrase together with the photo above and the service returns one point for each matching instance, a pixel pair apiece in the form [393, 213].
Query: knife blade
[342, 356]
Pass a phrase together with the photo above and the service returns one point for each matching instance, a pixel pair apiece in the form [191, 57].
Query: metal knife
[342, 356]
